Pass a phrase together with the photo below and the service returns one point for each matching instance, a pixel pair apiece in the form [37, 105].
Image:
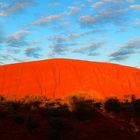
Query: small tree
[112, 105]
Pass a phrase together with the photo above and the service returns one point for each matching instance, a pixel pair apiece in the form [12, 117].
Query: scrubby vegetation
[57, 120]
[82, 109]
[112, 105]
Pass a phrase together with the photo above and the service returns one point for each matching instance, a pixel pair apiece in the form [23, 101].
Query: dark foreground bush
[2, 99]
[61, 111]
[82, 109]
[3, 113]
[136, 105]
[13, 106]
[31, 125]
[112, 105]
[58, 128]
[19, 119]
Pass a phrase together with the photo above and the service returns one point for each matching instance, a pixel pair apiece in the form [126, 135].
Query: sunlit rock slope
[58, 78]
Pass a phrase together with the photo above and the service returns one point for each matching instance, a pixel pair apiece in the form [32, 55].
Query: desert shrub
[43, 112]
[53, 104]
[126, 108]
[13, 106]
[3, 112]
[129, 98]
[33, 102]
[31, 125]
[62, 124]
[58, 128]
[53, 134]
[2, 98]
[60, 111]
[98, 105]
[82, 109]
[136, 105]
[53, 109]
[112, 105]
[17, 118]
[128, 105]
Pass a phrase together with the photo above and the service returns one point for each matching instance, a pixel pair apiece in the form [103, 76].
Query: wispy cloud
[16, 7]
[98, 4]
[63, 44]
[33, 52]
[54, 3]
[10, 58]
[89, 49]
[72, 36]
[137, 22]
[1, 35]
[3, 5]
[70, 29]
[120, 55]
[104, 2]
[17, 39]
[46, 20]
[135, 6]
[13, 50]
[126, 50]
[73, 10]
[110, 15]
[60, 48]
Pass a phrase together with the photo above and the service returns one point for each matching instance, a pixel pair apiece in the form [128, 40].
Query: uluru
[59, 78]
[69, 69]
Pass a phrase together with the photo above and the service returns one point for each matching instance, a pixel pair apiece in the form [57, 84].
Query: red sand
[58, 78]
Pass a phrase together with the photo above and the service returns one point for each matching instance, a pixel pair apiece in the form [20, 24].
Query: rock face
[58, 78]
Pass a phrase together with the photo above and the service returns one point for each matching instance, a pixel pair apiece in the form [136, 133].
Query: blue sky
[95, 30]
